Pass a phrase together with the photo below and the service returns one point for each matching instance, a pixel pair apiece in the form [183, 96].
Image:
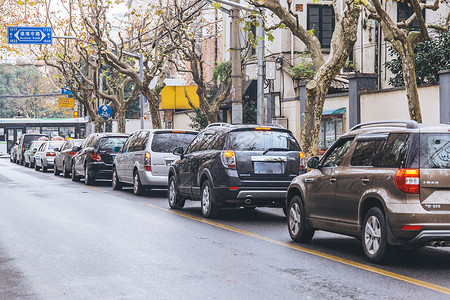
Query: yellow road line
[407, 279]
[93, 188]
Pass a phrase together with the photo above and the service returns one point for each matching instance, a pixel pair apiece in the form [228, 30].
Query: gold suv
[386, 183]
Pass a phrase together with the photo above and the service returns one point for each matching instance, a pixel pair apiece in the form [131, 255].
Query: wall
[181, 121]
[392, 104]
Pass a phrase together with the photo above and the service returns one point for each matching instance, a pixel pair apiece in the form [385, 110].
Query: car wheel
[36, 167]
[26, 164]
[88, 180]
[374, 237]
[74, 174]
[65, 173]
[175, 200]
[297, 221]
[116, 184]
[137, 186]
[209, 208]
[44, 169]
[55, 170]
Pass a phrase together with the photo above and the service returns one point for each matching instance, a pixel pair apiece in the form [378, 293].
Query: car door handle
[332, 179]
[309, 179]
[365, 180]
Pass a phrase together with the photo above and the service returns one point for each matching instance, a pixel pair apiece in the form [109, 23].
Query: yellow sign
[66, 102]
[174, 97]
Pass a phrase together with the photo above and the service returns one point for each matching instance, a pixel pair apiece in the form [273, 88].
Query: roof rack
[410, 124]
[218, 124]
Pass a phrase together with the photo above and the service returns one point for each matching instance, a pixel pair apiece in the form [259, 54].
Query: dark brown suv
[386, 183]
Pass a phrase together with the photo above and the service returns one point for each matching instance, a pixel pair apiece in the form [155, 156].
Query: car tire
[374, 237]
[175, 200]
[115, 183]
[43, 169]
[55, 170]
[26, 164]
[65, 173]
[36, 167]
[137, 186]
[296, 221]
[209, 208]
[88, 180]
[75, 178]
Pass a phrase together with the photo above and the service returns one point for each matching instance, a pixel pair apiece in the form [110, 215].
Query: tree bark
[409, 76]
[120, 116]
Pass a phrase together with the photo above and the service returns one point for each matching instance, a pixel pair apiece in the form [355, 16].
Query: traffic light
[75, 114]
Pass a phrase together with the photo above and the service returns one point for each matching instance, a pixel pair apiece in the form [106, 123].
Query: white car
[45, 155]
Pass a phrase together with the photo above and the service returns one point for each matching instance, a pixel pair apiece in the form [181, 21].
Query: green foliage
[431, 57]
[198, 118]
[221, 71]
[303, 71]
[249, 111]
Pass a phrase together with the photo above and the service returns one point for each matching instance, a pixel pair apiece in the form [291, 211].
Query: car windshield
[53, 145]
[77, 143]
[261, 140]
[435, 151]
[109, 143]
[166, 142]
[28, 139]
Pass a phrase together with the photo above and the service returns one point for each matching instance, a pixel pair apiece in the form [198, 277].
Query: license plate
[263, 167]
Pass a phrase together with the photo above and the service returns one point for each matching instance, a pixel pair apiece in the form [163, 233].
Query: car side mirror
[76, 148]
[178, 151]
[56, 149]
[117, 149]
[313, 162]
[34, 149]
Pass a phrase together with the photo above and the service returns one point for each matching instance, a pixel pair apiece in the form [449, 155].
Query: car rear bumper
[148, 179]
[100, 170]
[251, 197]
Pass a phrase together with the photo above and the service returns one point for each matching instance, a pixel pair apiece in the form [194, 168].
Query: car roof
[391, 126]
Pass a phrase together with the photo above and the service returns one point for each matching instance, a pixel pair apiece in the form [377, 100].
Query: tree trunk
[154, 111]
[121, 120]
[98, 124]
[409, 76]
[316, 90]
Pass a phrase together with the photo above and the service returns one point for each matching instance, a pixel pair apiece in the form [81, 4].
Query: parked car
[25, 141]
[31, 151]
[146, 156]
[235, 166]
[45, 155]
[63, 158]
[13, 152]
[386, 183]
[95, 156]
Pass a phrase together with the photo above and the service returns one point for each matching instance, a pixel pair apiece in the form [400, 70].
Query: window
[167, 141]
[394, 151]
[331, 128]
[365, 153]
[109, 143]
[433, 151]
[195, 144]
[256, 140]
[337, 153]
[406, 10]
[321, 20]
[139, 141]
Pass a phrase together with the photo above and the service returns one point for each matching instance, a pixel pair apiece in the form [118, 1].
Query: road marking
[407, 279]
[93, 188]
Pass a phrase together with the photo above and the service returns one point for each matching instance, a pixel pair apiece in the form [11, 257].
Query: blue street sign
[104, 111]
[29, 35]
[66, 91]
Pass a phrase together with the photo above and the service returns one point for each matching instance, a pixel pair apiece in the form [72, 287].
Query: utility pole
[236, 69]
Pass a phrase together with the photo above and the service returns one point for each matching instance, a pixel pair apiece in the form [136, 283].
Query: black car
[25, 141]
[63, 158]
[95, 157]
[236, 166]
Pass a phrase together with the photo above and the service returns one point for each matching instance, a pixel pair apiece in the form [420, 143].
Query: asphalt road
[65, 240]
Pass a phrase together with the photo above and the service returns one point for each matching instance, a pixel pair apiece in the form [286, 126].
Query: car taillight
[148, 162]
[302, 161]
[407, 180]
[72, 153]
[34, 151]
[50, 154]
[262, 128]
[23, 149]
[228, 159]
[96, 157]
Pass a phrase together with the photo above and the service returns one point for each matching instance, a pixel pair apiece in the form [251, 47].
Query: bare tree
[403, 40]
[343, 39]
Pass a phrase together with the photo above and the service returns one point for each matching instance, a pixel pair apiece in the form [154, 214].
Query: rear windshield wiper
[276, 149]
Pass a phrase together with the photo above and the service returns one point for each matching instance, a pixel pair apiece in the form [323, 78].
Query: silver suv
[146, 156]
[386, 183]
